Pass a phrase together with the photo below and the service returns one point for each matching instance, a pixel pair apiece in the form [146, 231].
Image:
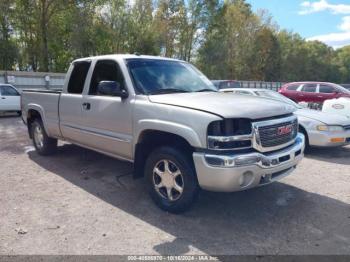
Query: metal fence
[266, 85]
[32, 80]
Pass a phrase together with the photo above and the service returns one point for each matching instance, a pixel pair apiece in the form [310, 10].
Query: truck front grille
[274, 135]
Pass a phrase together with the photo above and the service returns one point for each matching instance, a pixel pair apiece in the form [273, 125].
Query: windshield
[278, 96]
[342, 89]
[155, 76]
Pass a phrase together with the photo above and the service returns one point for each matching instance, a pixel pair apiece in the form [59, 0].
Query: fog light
[246, 179]
[338, 140]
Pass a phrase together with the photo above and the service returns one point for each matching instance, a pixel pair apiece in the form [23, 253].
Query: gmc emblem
[284, 130]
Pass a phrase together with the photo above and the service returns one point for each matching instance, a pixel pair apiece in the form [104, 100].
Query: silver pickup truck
[169, 120]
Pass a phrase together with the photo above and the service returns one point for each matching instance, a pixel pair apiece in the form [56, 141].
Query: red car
[316, 92]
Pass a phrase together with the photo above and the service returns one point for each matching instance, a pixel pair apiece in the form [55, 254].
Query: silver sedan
[320, 129]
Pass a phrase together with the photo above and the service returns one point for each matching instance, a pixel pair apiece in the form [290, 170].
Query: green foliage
[224, 38]
[266, 56]
[8, 48]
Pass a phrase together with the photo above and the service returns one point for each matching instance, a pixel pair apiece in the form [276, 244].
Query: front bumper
[328, 139]
[229, 173]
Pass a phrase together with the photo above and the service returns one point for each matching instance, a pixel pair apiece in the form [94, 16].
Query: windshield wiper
[168, 91]
[206, 90]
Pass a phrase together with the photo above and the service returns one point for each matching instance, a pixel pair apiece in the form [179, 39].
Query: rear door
[308, 93]
[107, 119]
[10, 98]
[71, 102]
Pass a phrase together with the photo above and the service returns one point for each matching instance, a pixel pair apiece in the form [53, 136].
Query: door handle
[319, 96]
[3, 97]
[86, 106]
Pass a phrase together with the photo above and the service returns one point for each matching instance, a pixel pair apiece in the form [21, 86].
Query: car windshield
[277, 96]
[156, 76]
[342, 89]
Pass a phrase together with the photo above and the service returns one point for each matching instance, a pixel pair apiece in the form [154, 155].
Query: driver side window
[105, 70]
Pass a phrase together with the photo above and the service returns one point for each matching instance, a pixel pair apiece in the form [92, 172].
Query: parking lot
[82, 202]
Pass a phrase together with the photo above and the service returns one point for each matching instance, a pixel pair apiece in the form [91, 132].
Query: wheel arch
[150, 139]
[34, 112]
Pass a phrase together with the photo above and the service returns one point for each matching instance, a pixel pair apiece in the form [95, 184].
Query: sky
[324, 20]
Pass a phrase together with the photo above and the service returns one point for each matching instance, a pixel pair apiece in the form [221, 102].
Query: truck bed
[47, 103]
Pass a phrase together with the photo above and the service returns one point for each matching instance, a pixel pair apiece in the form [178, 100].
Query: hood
[326, 118]
[227, 105]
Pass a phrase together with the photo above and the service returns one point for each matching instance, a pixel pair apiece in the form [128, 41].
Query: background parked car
[315, 92]
[319, 128]
[10, 98]
[221, 84]
[340, 106]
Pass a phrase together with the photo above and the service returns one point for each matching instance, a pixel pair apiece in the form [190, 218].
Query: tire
[19, 113]
[179, 176]
[43, 144]
[307, 144]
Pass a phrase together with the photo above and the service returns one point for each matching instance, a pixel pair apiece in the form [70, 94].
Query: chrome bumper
[229, 173]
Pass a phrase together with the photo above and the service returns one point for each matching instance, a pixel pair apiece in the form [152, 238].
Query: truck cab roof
[124, 56]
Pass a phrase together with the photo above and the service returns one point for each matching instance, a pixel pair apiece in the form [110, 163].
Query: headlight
[229, 134]
[230, 127]
[330, 128]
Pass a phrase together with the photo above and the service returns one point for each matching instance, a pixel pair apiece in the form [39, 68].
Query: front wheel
[171, 179]
[43, 144]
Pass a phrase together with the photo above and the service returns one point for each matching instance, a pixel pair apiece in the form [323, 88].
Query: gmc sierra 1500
[169, 120]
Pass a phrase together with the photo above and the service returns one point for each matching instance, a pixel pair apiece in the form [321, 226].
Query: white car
[340, 106]
[320, 129]
[10, 99]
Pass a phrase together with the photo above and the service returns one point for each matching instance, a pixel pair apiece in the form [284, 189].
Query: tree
[143, 36]
[33, 20]
[293, 56]
[224, 38]
[265, 61]
[229, 40]
[47, 10]
[116, 15]
[341, 62]
[169, 20]
[8, 48]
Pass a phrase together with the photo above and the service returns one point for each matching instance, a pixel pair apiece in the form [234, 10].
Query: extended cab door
[9, 99]
[107, 118]
[71, 100]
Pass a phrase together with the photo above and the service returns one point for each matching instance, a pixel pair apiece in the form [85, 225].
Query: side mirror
[111, 88]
